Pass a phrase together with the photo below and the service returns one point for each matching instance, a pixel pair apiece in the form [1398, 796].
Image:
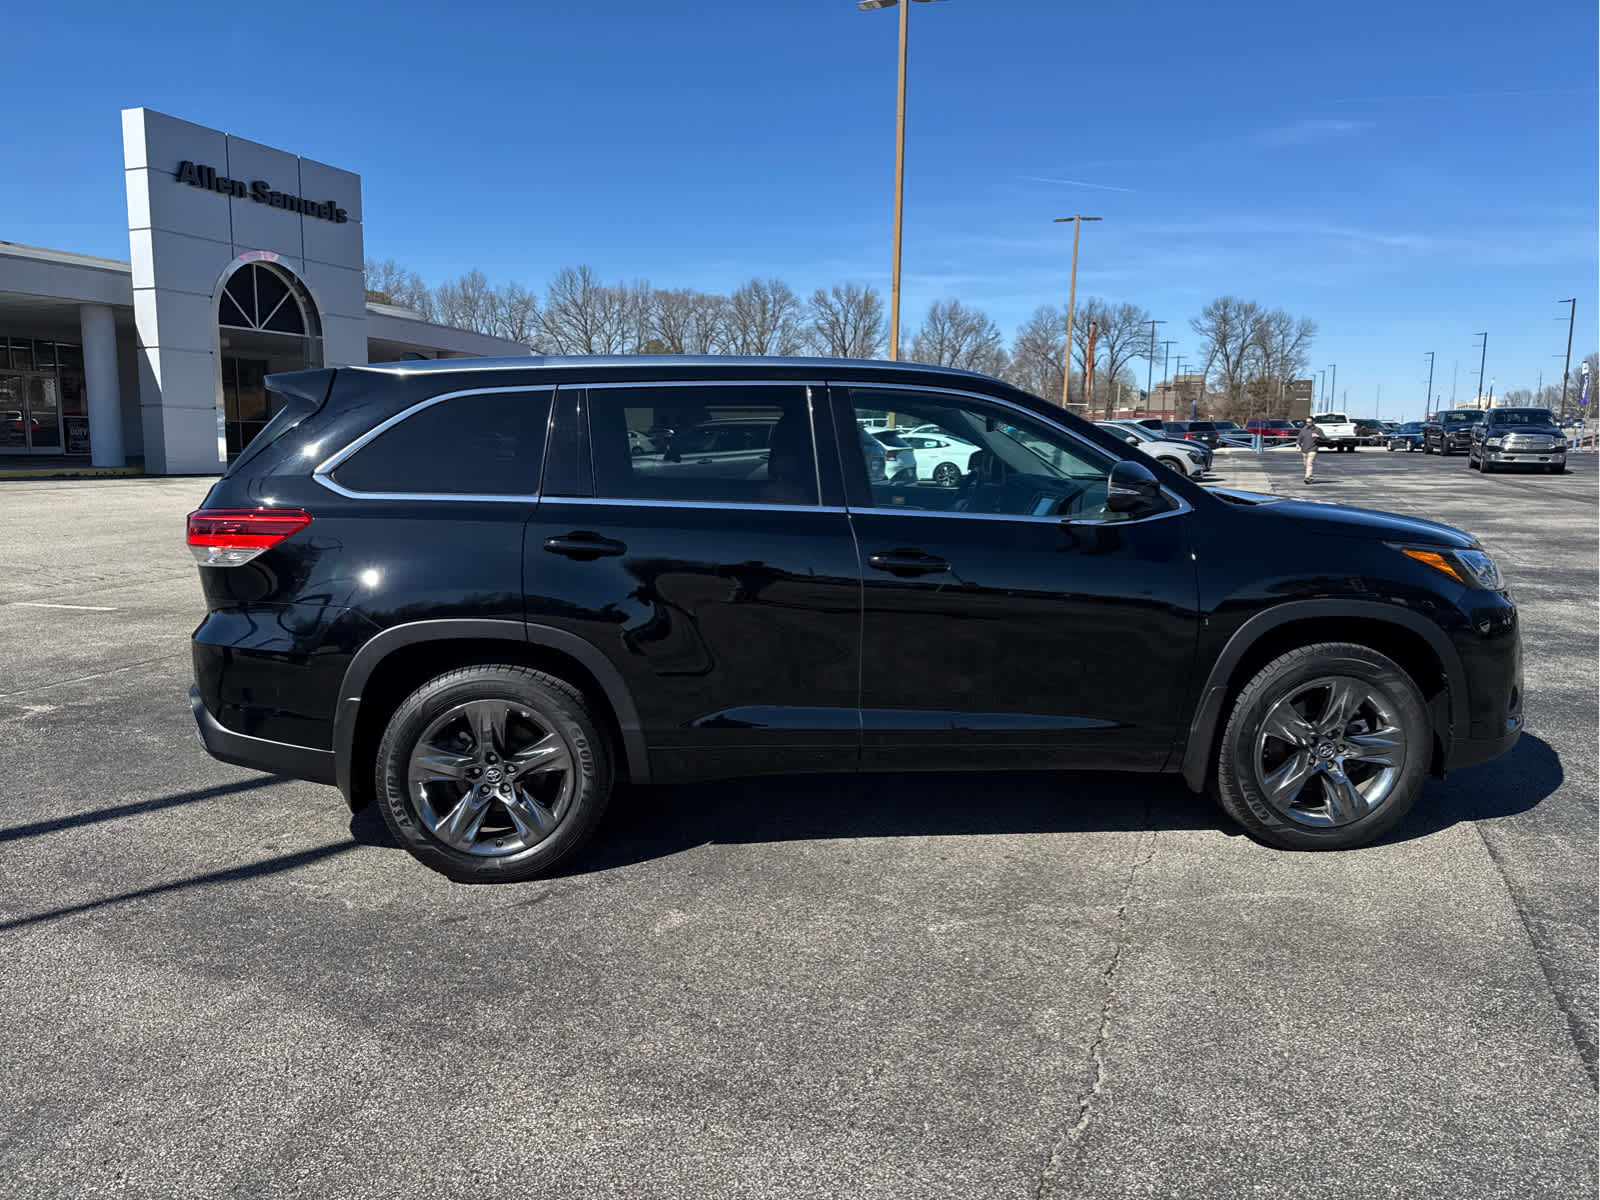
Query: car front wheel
[947, 475]
[1325, 749]
[492, 773]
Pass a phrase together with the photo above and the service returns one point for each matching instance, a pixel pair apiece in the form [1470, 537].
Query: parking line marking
[78, 607]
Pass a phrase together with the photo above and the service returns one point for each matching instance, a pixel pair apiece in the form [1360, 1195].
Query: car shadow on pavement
[645, 823]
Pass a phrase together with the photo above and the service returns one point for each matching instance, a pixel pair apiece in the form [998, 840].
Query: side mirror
[1133, 488]
[1131, 440]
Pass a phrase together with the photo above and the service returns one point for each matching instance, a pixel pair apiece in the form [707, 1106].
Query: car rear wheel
[1555, 469]
[492, 773]
[947, 475]
[1325, 748]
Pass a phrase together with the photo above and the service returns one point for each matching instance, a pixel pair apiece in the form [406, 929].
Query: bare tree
[516, 315]
[1122, 334]
[763, 317]
[583, 316]
[1039, 353]
[846, 322]
[467, 303]
[1226, 328]
[387, 282]
[1279, 351]
[956, 336]
[684, 321]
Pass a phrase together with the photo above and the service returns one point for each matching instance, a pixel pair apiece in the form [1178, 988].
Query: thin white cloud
[1099, 187]
[1577, 91]
[1298, 133]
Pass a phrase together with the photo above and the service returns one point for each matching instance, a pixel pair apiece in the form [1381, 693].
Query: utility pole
[1178, 397]
[1455, 367]
[1149, 375]
[1072, 299]
[1429, 392]
[1322, 378]
[1482, 358]
[1088, 372]
[1378, 416]
[1572, 313]
[1333, 382]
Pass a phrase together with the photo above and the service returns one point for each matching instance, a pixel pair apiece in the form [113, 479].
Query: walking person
[1307, 441]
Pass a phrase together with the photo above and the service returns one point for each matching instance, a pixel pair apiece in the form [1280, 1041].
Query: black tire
[1485, 467]
[1444, 450]
[1175, 465]
[1247, 760]
[947, 474]
[1427, 446]
[526, 826]
[1555, 469]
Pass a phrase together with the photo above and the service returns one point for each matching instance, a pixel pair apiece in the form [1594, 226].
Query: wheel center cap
[1325, 750]
[491, 775]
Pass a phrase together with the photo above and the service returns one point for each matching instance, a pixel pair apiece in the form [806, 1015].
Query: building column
[100, 380]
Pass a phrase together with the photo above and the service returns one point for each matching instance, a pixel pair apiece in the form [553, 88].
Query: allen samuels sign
[201, 176]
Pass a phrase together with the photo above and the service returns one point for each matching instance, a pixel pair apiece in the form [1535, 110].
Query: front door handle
[585, 546]
[908, 563]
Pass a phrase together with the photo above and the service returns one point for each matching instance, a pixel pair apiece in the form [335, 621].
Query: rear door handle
[585, 546]
[908, 563]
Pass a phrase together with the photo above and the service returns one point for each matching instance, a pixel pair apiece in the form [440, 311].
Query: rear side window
[479, 444]
[729, 445]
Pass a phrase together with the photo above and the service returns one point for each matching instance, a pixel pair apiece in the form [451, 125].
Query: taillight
[227, 537]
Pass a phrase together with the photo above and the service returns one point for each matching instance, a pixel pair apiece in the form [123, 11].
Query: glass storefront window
[43, 399]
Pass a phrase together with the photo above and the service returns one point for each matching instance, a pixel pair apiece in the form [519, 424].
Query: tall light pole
[899, 172]
[1426, 395]
[1322, 377]
[1482, 358]
[1176, 371]
[1072, 298]
[1333, 385]
[1149, 375]
[1572, 313]
[1166, 352]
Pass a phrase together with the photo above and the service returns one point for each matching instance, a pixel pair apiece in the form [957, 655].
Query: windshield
[1332, 419]
[1138, 431]
[1466, 418]
[1522, 416]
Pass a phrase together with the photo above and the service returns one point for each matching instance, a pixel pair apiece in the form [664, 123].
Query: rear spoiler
[302, 393]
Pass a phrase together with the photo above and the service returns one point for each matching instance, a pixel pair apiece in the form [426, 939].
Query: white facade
[244, 259]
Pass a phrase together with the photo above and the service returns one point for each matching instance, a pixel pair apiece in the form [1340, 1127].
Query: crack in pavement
[44, 687]
[1582, 1042]
[1065, 1147]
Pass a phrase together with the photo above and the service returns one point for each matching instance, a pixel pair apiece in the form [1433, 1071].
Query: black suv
[1450, 432]
[479, 592]
[1520, 437]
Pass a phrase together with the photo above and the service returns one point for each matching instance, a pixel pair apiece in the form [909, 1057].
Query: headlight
[1471, 567]
[1494, 441]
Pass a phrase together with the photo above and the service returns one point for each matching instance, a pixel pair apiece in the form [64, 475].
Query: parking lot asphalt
[975, 985]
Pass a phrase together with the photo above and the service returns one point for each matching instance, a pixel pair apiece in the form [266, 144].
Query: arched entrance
[266, 322]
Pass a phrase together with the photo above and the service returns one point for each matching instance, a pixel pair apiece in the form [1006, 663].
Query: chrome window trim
[1183, 505]
[320, 473]
[623, 502]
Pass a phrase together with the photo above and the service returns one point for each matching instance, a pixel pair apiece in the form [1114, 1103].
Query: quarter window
[727, 445]
[484, 444]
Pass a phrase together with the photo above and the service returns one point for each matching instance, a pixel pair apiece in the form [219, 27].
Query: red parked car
[1272, 430]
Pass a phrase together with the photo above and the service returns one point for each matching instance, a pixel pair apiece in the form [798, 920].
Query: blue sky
[1405, 174]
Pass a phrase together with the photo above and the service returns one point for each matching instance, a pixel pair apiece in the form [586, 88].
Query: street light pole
[1176, 371]
[1149, 375]
[899, 171]
[1072, 299]
[1482, 358]
[1166, 357]
[1572, 313]
[1322, 378]
[1426, 395]
[1333, 383]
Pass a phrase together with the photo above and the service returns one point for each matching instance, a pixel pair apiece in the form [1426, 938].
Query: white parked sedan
[1191, 458]
[941, 459]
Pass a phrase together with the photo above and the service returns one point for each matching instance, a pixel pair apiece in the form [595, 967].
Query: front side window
[721, 445]
[1007, 464]
[483, 443]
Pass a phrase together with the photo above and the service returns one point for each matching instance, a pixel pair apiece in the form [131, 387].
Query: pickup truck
[1336, 430]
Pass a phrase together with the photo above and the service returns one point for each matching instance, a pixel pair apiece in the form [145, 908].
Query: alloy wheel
[490, 778]
[1330, 752]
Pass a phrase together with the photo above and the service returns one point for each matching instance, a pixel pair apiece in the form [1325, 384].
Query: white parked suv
[1336, 430]
[940, 458]
[1187, 458]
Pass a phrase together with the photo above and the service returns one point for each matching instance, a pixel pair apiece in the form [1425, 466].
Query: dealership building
[242, 260]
